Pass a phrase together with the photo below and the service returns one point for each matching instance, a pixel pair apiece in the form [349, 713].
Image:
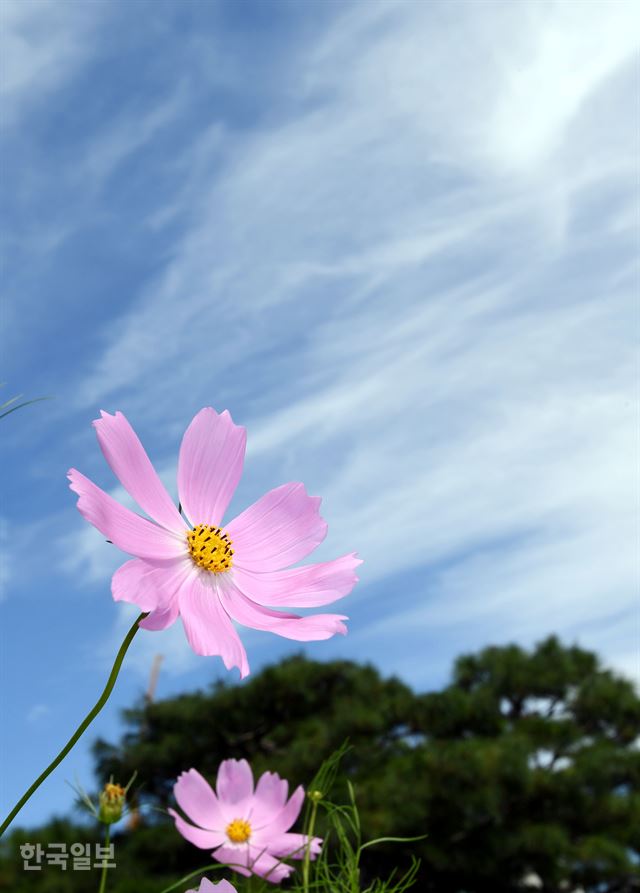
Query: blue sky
[396, 241]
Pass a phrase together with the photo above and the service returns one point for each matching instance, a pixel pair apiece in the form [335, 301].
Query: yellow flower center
[210, 548]
[239, 831]
[113, 791]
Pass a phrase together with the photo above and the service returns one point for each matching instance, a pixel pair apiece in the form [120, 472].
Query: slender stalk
[86, 722]
[307, 853]
[105, 861]
[19, 406]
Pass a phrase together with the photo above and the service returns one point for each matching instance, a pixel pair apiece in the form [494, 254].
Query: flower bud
[315, 796]
[112, 798]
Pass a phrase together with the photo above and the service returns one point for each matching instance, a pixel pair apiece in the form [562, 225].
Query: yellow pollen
[210, 547]
[239, 831]
[114, 791]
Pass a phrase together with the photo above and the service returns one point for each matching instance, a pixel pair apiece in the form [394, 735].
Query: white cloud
[17, 536]
[37, 713]
[85, 554]
[498, 85]
[133, 129]
[572, 50]
[42, 43]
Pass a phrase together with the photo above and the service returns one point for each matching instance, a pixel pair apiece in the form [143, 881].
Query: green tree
[288, 718]
[530, 767]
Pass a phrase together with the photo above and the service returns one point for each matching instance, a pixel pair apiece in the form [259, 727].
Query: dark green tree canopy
[288, 719]
[531, 767]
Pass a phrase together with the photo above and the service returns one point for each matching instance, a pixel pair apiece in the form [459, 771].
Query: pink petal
[265, 866]
[279, 529]
[236, 857]
[247, 859]
[210, 465]
[196, 799]
[285, 818]
[303, 587]
[150, 586]
[234, 784]
[124, 528]
[206, 886]
[207, 625]
[294, 846]
[290, 626]
[205, 840]
[131, 465]
[269, 798]
[161, 619]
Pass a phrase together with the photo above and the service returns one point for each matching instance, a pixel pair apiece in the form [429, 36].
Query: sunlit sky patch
[396, 240]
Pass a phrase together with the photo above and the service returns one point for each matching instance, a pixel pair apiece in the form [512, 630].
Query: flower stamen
[113, 792]
[239, 831]
[210, 548]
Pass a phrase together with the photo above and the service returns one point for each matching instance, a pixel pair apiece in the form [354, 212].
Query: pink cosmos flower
[207, 573]
[206, 886]
[247, 829]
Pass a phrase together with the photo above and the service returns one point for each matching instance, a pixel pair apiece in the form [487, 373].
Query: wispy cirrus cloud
[372, 171]
[42, 44]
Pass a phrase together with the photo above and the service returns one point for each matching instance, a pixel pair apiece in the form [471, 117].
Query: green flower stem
[105, 861]
[307, 853]
[86, 722]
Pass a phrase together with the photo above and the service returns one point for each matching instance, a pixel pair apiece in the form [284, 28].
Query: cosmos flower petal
[294, 846]
[282, 527]
[287, 815]
[131, 465]
[196, 798]
[124, 528]
[161, 619]
[269, 798]
[200, 837]
[128, 585]
[236, 857]
[265, 866]
[210, 465]
[207, 886]
[247, 859]
[290, 626]
[207, 625]
[149, 586]
[234, 783]
[302, 587]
